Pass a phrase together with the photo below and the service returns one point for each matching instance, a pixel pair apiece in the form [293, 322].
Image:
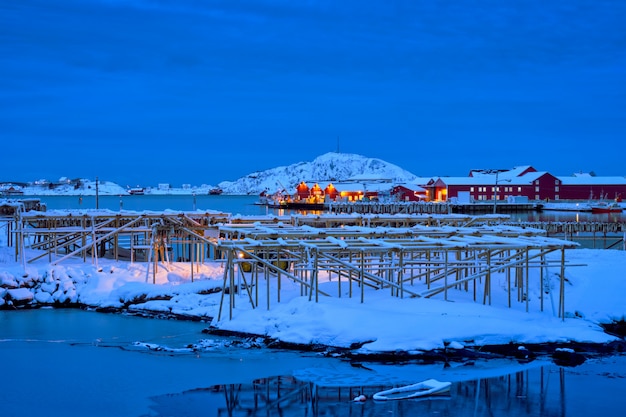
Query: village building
[359, 188]
[524, 182]
[586, 186]
[325, 191]
[410, 192]
[519, 185]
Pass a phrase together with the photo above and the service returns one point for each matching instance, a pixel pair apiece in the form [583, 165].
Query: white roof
[422, 180]
[589, 180]
[511, 173]
[412, 186]
[355, 186]
[490, 179]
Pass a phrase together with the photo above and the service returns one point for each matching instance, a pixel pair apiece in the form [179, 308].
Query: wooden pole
[527, 280]
[224, 285]
[362, 276]
[562, 287]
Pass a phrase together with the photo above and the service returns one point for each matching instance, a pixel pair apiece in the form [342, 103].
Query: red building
[588, 187]
[349, 190]
[409, 192]
[480, 185]
[525, 182]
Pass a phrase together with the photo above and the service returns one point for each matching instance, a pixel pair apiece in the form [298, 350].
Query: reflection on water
[78, 363]
[568, 216]
[541, 391]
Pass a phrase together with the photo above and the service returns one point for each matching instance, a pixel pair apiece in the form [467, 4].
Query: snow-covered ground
[594, 291]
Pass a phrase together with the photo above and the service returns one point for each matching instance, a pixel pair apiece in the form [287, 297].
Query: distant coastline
[84, 187]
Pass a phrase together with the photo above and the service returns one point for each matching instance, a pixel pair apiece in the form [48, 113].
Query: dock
[373, 207]
[407, 207]
[500, 207]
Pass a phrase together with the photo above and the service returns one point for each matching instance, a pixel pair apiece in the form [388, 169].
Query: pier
[597, 235]
[490, 207]
[372, 207]
[409, 207]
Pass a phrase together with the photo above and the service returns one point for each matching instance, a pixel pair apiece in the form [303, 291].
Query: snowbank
[594, 295]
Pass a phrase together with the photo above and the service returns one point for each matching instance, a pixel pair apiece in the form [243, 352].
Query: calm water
[231, 204]
[79, 363]
[245, 205]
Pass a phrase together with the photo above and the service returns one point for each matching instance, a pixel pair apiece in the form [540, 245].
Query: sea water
[237, 204]
[70, 362]
[247, 205]
[78, 363]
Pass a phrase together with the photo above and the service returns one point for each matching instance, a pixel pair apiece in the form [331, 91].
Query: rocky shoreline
[563, 353]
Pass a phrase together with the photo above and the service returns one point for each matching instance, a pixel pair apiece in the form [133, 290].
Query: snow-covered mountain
[73, 187]
[328, 167]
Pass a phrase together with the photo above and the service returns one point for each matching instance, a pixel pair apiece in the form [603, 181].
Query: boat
[605, 207]
[136, 191]
[276, 200]
[425, 388]
[215, 191]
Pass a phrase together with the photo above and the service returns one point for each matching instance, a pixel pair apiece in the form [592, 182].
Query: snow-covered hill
[331, 166]
[74, 187]
[328, 167]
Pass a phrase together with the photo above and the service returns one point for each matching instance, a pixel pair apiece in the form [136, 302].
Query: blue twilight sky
[186, 91]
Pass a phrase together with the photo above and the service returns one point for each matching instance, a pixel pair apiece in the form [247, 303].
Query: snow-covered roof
[355, 186]
[514, 176]
[412, 186]
[419, 181]
[482, 180]
[590, 180]
[488, 180]
[510, 173]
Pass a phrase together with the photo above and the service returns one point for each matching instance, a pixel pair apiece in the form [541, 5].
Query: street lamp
[495, 194]
[495, 186]
[495, 189]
